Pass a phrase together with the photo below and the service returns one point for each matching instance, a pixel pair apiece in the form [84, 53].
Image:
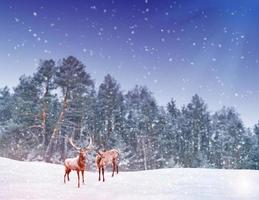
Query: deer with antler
[77, 163]
[104, 158]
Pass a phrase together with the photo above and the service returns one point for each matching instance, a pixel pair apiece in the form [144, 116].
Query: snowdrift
[37, 180]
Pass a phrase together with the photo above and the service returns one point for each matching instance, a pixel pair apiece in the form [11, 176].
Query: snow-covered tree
[172, 138]
[110, 111]
[6, 107]
[70, 78]
[195, 126]
[26, 101]
[141, 117]
[227, 138]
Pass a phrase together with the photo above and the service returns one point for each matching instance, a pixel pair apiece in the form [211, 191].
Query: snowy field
[36, 180]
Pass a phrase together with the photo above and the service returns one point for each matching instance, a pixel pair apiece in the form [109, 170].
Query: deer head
[85, 149]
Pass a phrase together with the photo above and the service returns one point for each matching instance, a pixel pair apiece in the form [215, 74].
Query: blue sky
[175, 48]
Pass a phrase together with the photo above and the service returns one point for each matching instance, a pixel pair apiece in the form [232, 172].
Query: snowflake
[16, 19]
[93, 7]
[47, 51]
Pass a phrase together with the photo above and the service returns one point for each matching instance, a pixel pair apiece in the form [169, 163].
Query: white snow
[38, 180]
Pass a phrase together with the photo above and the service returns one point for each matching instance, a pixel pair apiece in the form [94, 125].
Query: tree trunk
[144, 154]
[56, 131]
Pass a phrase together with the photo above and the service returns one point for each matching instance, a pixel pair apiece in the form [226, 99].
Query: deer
[77, 163]
[104, 158]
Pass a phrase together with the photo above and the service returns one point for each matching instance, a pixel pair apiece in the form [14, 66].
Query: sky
[175, 48]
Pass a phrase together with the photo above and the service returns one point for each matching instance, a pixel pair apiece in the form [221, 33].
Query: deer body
[104, 158]
[75, 163]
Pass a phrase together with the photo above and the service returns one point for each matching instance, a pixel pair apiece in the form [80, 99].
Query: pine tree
[110, 112]
[142, 114]
[229, 136]
[172, 138]
[198, 131]
[26, 101]
[252, 161]
[6, 107]
[256, 132]
[44, 79]
[70, 76]
[24, 114]
[164, 141]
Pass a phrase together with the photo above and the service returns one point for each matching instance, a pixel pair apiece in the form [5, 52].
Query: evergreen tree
[44, 79]
[70, 77]
[172, 138]
[110, 112]
[26, 101]
[199, 131]
[186, 149]
[6, 107]
[142, 114]
[24, 115]
[164, 141]
[252, 161]
[228, 135]
[256, 132]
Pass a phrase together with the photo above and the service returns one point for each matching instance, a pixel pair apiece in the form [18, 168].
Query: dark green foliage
[6, 105]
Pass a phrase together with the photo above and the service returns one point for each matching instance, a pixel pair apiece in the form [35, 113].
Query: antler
[90, 145]
[72, 143]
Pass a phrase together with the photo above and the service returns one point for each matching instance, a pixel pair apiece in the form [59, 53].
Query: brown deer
[104, 158]
[77, 163]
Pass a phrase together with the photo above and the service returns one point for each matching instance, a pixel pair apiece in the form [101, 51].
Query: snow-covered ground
[37, 180]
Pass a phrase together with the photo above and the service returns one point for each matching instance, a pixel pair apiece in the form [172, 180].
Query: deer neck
[81, 161]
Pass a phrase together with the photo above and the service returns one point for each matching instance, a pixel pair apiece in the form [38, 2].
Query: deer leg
[99, 173]
[78, 178]
[103, 173]
[68, 174]
[83, 178]
[113, 167]
[117, 168]
[65, 177]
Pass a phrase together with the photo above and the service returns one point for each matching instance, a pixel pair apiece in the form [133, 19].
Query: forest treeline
[60, 101]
